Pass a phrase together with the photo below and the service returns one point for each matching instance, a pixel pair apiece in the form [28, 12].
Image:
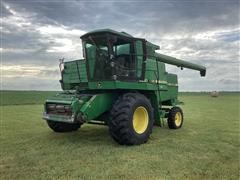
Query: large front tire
[131, 119]
[62, 127]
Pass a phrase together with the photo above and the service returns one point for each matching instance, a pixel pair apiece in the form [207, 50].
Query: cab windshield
[97, 55]
[109, 58]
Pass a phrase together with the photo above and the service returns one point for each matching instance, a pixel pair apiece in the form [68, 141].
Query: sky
[36, 34]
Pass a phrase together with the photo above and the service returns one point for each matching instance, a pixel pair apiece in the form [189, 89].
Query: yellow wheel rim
[178, 119]
[140, 120]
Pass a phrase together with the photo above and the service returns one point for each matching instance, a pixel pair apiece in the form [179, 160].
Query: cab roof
[110, 31]
[123, 34]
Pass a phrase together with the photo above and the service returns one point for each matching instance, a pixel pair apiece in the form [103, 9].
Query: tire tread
[120, 116]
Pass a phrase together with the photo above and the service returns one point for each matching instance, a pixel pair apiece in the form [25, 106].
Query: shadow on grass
[89, 135]
[96, 135]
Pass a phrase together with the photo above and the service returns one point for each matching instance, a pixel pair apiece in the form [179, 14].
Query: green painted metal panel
[98, 104]
[89, 105]
[137, 85]
[180, 63]
[150, 48]
[172, 86]
[74, 72]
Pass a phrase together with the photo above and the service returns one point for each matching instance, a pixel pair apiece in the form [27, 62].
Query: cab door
[140, 57]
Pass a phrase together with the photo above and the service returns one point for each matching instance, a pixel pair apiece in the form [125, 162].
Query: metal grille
[59, 109]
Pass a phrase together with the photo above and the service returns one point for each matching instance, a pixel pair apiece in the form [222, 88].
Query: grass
[24, 97]
[206, 147]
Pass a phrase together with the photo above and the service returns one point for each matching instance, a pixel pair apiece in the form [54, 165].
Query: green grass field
[206, 147]
[24, 97]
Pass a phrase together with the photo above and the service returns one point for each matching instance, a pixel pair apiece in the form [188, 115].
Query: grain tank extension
[122, 83]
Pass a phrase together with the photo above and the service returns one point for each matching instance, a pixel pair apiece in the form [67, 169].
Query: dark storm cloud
[145, 14]
[38, 33]
[4, 10]
[187, 17]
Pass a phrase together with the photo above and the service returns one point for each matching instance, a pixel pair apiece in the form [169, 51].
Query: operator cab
[112, 55]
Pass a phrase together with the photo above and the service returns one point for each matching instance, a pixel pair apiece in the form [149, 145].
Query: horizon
[22, 90]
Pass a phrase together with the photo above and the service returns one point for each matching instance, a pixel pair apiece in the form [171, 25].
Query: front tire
[62, 127]
[131, 119]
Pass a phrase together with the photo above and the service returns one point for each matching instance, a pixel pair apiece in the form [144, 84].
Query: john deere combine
[122, 83]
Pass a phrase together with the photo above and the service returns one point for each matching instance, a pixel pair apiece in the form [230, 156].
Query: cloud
[30, 83]
[35, 35]
[30, 71]
[26, 40]
[231, 36]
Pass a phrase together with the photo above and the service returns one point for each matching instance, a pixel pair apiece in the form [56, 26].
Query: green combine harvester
[122, 83]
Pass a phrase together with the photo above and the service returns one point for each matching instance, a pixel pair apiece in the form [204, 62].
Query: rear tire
[131, 119]
[175, 118]
[62, 127]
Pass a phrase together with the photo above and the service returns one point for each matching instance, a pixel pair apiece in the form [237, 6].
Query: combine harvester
[122, 83]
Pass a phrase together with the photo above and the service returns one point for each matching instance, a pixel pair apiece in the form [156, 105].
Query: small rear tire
[62, 127]
[175, 118]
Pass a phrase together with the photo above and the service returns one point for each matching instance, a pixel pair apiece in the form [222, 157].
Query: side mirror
[61, 64]
[61, 60]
